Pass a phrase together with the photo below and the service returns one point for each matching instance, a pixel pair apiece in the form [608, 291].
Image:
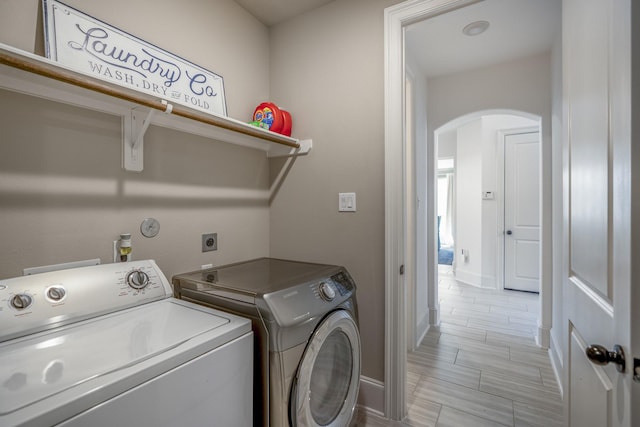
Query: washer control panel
[41, 301]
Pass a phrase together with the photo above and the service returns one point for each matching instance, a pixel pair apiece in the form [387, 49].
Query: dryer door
[325, 390]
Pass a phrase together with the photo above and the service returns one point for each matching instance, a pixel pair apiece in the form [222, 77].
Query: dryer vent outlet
[209, 242]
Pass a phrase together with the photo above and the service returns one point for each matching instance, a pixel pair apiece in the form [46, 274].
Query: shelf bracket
[305, 147]
[135, 125]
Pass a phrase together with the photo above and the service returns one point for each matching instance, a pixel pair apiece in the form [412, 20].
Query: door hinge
[402, 269]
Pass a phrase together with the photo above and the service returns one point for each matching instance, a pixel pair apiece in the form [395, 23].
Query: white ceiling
[518, 28]
[271, 12]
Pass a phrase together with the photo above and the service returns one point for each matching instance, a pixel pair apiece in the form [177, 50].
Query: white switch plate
[488, 195]
[346, 202]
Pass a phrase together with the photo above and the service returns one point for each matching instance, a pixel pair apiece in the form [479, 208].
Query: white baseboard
[489, 282]
[555, 355]
[371, 396]
[422, 329]
[543, 338]
[468, 277]
[434, 315]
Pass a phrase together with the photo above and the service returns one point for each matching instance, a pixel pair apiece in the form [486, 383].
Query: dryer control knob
[326, 291]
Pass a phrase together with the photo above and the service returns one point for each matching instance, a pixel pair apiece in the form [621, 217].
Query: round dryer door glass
[330, 377]
[326, 386]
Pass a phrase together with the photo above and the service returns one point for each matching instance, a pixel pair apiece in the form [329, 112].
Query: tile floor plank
[520, 390]
[474, 402]
[483, 362]
[533, 416]
[443, 370]
[463, 343]
[450, 417]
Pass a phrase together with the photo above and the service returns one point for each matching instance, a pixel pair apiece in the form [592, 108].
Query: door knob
[509, 232]
[601, 356]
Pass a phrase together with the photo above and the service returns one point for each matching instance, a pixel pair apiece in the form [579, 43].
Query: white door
[522, 212]
[599, 218]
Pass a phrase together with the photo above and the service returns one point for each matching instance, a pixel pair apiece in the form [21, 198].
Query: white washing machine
[107, 345]
[304, 318]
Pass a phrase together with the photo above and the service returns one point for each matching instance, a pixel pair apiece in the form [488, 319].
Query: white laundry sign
[93, 47]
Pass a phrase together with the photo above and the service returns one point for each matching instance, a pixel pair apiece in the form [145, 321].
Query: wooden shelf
[40, 77]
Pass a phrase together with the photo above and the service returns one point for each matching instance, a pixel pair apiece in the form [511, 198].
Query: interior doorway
[503, 93]
[487, 199]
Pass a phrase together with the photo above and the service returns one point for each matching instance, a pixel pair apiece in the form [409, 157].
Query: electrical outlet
[209, 242]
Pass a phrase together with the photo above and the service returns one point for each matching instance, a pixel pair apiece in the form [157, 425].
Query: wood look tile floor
[481, 367]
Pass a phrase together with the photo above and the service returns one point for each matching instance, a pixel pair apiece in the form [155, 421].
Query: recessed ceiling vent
[475, 28]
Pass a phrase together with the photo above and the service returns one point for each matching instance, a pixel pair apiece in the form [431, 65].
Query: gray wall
[523, 84]
[327, 69]
[63, 194]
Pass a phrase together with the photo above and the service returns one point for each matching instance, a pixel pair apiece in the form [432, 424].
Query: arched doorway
[474, 236]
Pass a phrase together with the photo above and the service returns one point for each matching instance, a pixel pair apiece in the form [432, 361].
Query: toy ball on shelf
[268, 116]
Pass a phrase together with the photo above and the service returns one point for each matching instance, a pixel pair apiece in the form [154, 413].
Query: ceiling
[518, 28]
[271, 12]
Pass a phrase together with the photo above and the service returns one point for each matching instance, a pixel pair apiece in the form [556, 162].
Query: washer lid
[46, 364]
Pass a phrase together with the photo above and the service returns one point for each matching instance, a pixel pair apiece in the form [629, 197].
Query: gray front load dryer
[304, 317]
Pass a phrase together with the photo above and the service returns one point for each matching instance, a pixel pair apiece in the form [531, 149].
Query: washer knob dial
[21, 301]
[138, 279]
[56, 293]
[327, 292]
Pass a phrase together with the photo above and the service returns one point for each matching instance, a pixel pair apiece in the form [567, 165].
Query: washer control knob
[137, 279]
[327, 292]
[21, 301]
[56, 293]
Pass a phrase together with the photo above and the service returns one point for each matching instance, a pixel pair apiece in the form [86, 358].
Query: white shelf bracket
[135, 125]
[305, 147]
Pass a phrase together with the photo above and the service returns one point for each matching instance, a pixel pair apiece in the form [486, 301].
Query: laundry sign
[93, 47]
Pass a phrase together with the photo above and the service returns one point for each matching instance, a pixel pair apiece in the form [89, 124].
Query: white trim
[395, 338]
[556, 357]
[371, 396]
[422, 328]
[543, 338]
[468, 277]
[395, 19]
[434, 315]
[410, 254]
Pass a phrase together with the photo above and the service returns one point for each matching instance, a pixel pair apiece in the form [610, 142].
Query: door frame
[395, 19]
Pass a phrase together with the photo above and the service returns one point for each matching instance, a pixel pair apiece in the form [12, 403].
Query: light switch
[346, 202]
[488, 195]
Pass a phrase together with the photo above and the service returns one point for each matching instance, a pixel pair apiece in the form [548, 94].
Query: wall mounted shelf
[37, 76]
